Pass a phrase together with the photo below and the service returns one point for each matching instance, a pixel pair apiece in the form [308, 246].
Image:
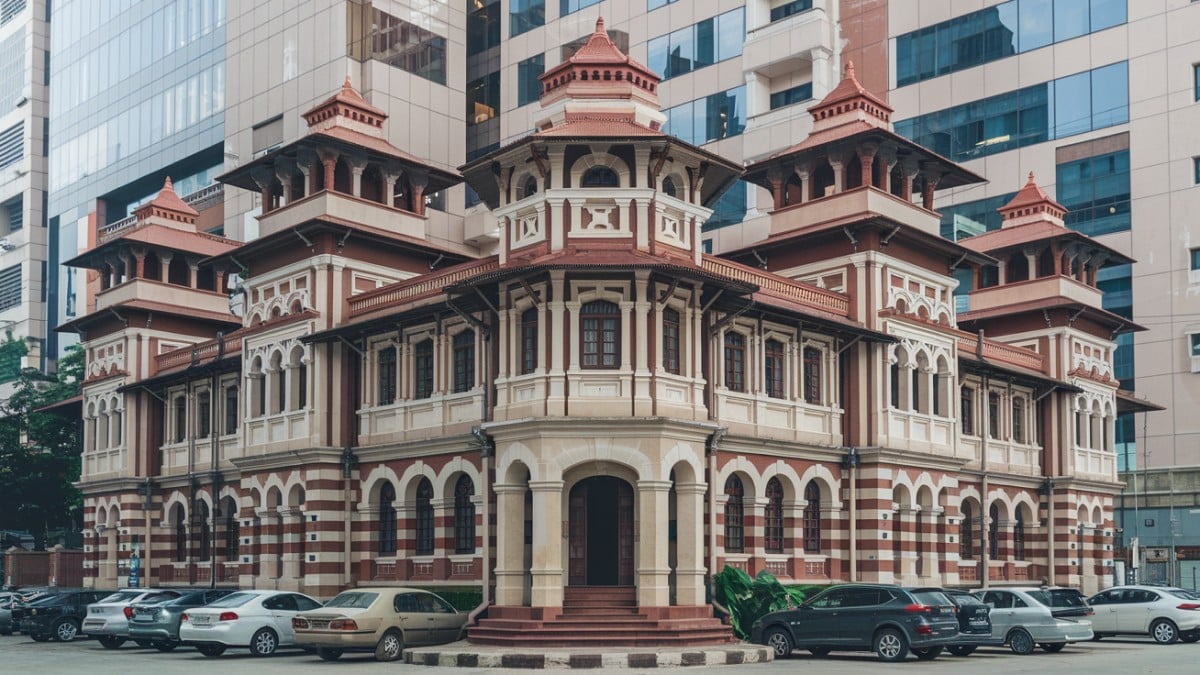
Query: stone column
[909, 169]
[689, 543]
[510, 545]
[329, 166]
[417, 181]
[932, 176]
[887, 161]
[284, 170]
[268, 561]
[357, 164]
[654, 569]
[389, 187]
[866, 159]
[547, 571]
[838, 164]
[804, 173]
[164, 262]
[643, 401]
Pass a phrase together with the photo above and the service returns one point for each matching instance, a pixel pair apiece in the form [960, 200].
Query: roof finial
[167, 184]
[347, 84]
[1031, 180]
[850, 69]
[600, 30]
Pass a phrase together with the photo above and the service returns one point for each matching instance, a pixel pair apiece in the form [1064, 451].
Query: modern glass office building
[137, 93]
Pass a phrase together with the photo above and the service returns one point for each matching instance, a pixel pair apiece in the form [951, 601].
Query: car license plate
[202, 620]
[978, 622]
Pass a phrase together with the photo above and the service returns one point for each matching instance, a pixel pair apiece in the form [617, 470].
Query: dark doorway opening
[601, 533]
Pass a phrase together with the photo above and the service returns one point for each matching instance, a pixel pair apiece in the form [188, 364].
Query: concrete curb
[465, 655]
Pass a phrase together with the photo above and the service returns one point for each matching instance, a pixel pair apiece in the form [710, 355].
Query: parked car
[158, 622]
[974, 624]
[888, 620]
[260, 620]
[57, 616]
[12, 599]
[1025, 621]
[1165, 614]
[382, 620]
[108, 620]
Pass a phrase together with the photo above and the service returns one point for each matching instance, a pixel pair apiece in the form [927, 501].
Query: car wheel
[890, 645]
[166, 646]
[111, 641]
[1020, 642]
[1096, 637]
[264, 642]
[1164, 632]
[38, 637]
[390, 646]
[961, 650]
[779, 641]
[1053, 647]
[329, 654]
[211, 650]
[928, 653]
[66, 630]
[820, 652]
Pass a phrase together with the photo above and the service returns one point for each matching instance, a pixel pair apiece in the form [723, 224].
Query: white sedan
[1165, 614]
[260, 620]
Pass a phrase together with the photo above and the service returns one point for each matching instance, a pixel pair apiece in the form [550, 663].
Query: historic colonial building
[594, 408]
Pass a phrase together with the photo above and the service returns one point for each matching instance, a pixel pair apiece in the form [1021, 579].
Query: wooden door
[577, 537]
[624, 534]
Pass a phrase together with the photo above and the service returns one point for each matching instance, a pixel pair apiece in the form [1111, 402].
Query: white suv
[1165, 614]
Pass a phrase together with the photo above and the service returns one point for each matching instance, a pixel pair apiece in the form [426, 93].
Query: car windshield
[1059, 597]
[48, 600]
[233, 600]
[122, 596]
[1182, 593]
[187, 599]
[353, 600]
[159, 597]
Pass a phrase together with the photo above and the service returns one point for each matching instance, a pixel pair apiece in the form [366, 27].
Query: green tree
[40, 450]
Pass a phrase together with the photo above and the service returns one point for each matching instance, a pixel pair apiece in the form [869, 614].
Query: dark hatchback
[888, 620]
[974, 623]
[158, 622]
[58, 616]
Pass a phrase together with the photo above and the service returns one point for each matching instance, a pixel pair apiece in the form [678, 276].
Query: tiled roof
[579, 125]
[349, 96]
[168, 199]
[1030, 195]
[849, 88]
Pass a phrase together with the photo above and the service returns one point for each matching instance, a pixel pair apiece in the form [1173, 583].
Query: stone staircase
[602, 616]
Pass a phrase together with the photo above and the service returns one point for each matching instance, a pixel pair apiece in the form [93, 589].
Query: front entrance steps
[600, 616]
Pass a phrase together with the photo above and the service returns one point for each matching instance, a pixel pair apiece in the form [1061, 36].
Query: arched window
[300, 368]
[773, 363]
[669, 188]
[530, 187]
[181, 541]
[601, 177]
[774, 517]
[464, 361]
[423, 369]
[464, 516]
[204, 531]
[994, 532]
[387, 520]
[1018, 419]
[385, 372]
[203, 414]
[1019, 536]
[734, 520]
[966, 414]
[894, 382]
[670, 344]
[231, 410]
[735, 361]
[993, 415]
[812, 375]
[180, 418]
[966, 538]
[232, 534]
[812, 518]
[424, 513]
[529, 340]
[600, 336]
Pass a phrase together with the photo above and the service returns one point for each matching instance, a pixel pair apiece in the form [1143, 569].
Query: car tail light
[185, 618]
[298, 623]
[918, 609]
[924, 629]
[343, 624]
[227, 616]
[128, 612]
[1188, 605]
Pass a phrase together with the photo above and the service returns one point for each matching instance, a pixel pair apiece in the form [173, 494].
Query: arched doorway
[601, 533]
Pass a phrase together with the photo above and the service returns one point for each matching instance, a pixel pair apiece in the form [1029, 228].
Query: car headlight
[33, 612]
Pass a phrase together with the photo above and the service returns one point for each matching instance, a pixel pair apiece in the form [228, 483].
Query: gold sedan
[382, 620]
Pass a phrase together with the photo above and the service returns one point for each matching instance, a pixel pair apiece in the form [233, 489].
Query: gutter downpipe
[485, 461]
[851, 461]
[711, 445]
[985, 513]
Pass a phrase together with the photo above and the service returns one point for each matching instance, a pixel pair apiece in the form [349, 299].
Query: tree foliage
[750, 599]
[40, 451]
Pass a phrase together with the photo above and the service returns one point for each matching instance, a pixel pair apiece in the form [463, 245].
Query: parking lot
[19, 654]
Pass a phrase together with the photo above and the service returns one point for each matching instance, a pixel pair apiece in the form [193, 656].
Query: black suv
[888, 620]
[974, 623]
[57, 616]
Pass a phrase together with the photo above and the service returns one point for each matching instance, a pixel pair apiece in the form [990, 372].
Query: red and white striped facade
[396, 406]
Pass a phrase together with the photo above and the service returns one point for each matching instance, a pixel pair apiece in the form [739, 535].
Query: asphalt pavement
[19, 654]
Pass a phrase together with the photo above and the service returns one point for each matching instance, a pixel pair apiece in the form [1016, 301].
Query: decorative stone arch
[926, 497]
[793, 487]
[682, 454]
[295, 302]
[754, 482]
[598, 450]
[595, 159]
[828, 483]
[406, 488]
[295, 494]
[447, 478]
[1001, 498]
[679, 179]
[255, 318]
[968, 493]
[521, 179]
[1097, 516]
[903, 496]
[373, 483]
[598, 293]
[513, 455]
[1024, 503]
[902, 479]
[175, 501]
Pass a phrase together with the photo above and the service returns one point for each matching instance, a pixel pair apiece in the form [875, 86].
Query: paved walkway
[466, 655]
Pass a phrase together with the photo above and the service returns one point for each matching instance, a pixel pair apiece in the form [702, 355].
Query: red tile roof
[1030, 195]
[168, 199]
[849, 88]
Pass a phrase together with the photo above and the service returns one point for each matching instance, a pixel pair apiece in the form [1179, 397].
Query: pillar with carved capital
[389, 187]
[838, 164]
[547, 571]
[804, 173]
[510, 545]
[643, 403]
[887, 159]
[866, 159]
[357, 164]
[689, 543]
[909, 169]
[329, 160]
[932, 176]
[654, 569]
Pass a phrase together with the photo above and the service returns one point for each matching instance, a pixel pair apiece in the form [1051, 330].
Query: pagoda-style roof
[600, 70]
[165, 222]
[121, 312]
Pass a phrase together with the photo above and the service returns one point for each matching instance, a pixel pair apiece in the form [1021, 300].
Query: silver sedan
[1026, 622]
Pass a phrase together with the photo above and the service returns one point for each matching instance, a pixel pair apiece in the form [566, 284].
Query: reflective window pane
[1107, 13]
[1070, 19]
[1110, 95]
[1072, 105]
[1036, 21]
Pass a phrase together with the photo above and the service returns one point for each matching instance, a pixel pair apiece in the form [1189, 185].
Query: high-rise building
[137, 94]
[24, 64]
